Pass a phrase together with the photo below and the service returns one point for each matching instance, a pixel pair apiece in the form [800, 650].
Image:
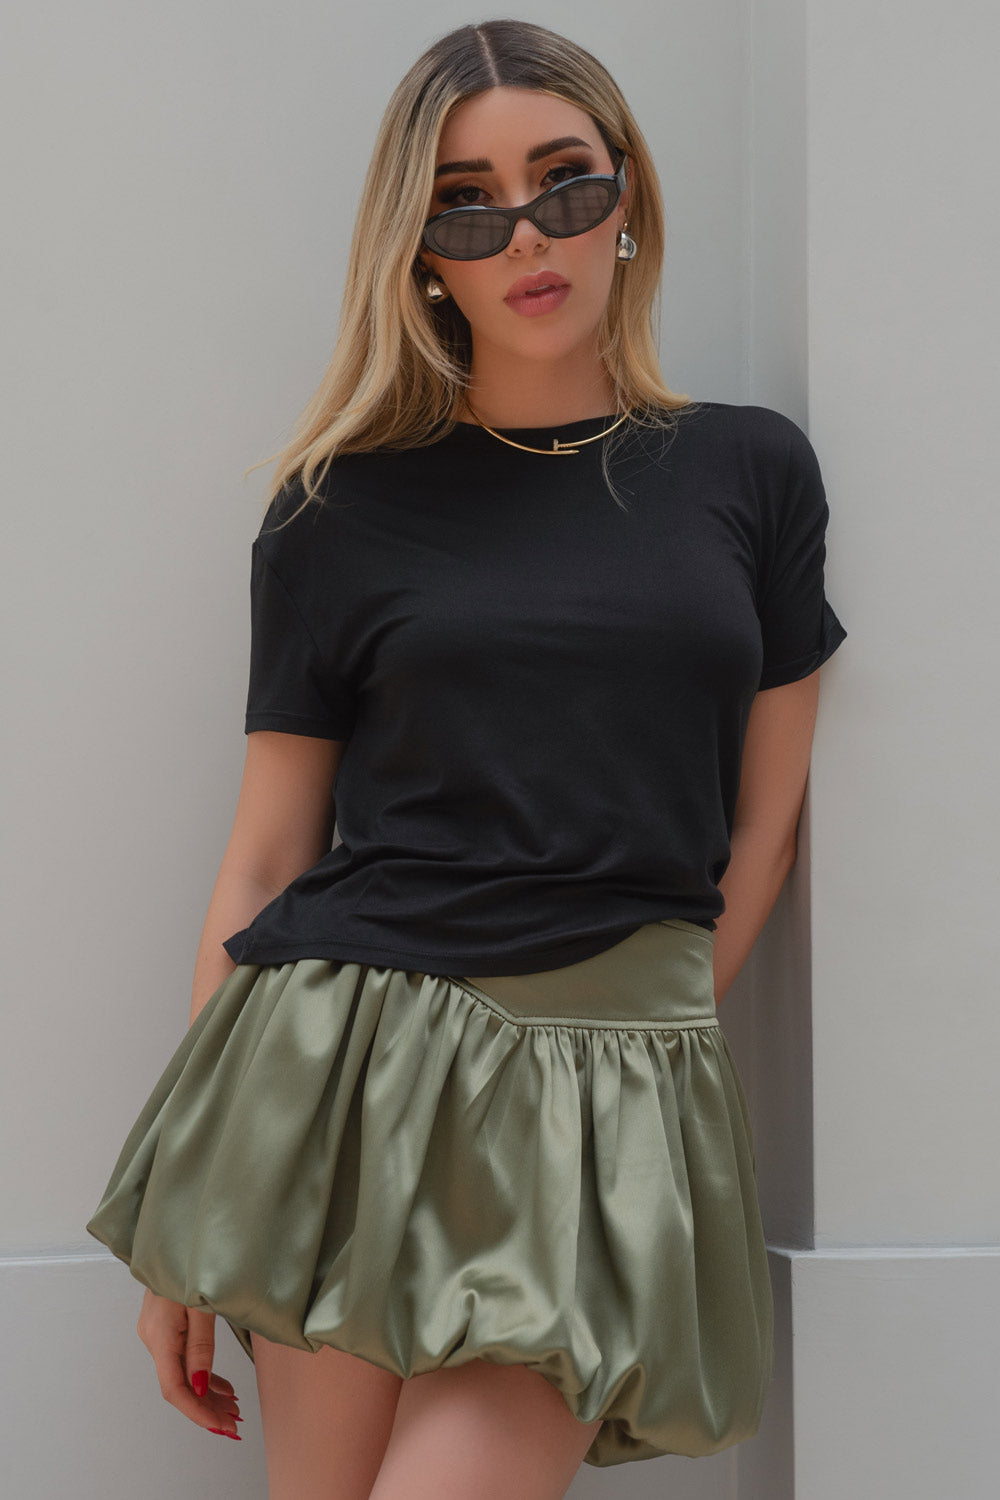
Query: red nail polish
[199, 1382]
[219, 1431]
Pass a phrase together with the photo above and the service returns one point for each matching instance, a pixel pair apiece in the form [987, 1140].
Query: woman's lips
[533, 295]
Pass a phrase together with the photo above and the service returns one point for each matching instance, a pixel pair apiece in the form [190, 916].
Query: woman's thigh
[483, 1429]
[326, 1419]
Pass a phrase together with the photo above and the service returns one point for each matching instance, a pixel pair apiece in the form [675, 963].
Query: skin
[334, 1424]
[529, 372]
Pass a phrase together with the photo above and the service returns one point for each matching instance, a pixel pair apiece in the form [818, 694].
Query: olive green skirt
[551, 1169]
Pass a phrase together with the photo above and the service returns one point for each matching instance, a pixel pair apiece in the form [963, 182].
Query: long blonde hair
[400, 364]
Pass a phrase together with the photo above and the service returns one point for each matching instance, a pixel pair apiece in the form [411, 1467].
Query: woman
[455, 1103]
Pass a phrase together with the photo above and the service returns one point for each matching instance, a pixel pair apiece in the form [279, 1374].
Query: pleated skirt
[551, 1169]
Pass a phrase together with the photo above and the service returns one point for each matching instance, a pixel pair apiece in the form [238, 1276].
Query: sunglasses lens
[568, 209]
[575, 208]
[470, 236]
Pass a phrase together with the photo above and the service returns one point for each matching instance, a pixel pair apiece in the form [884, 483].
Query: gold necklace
[557, 446]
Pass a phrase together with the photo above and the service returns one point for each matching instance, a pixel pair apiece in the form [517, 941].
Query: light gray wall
[904, 385]
[893, 1300]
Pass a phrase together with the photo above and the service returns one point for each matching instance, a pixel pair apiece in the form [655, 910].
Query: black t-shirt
[544, 696]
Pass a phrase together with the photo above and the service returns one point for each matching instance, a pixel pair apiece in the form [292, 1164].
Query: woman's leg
[485, 1430]
[326, 1419]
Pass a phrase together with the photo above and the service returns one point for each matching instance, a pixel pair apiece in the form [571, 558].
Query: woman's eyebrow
[548, 147]
[483, 163]
[480, 164]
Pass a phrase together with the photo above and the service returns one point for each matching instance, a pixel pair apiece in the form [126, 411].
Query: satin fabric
[551, 1169]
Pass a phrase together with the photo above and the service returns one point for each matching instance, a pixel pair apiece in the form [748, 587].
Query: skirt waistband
[660, 976]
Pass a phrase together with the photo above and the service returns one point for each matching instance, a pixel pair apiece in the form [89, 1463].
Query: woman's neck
[515, 392]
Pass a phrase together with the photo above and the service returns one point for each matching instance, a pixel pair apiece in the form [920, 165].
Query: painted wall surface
[894, 1300]
[904, 382]
[895, 1374]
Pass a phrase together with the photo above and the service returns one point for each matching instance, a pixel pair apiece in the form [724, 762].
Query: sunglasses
[562, 211]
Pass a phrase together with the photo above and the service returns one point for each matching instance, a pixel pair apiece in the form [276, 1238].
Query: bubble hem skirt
[551, 1169]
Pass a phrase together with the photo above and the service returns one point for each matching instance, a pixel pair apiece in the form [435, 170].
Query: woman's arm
[775, 765]
[283, 825]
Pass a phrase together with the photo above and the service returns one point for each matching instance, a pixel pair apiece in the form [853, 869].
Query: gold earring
[627, 246]
[434, 291]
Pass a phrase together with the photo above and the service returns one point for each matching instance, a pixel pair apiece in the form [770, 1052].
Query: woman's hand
[182, 1342]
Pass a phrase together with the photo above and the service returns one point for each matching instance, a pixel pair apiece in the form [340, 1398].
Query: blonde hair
[400, 364]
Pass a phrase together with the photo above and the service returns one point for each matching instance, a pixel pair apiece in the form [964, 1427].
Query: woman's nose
[526, 238]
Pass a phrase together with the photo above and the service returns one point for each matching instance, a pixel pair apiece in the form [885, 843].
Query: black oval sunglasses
[562, 211]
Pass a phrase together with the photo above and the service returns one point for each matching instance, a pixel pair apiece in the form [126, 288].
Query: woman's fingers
[181, 1341]
[228, 1400]
[199, 1349]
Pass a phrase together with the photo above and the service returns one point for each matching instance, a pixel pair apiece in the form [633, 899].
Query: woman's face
[496, 133]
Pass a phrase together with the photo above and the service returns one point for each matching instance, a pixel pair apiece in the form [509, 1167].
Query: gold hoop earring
[627, 246]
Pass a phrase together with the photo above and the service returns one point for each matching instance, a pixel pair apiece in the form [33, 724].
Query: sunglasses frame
[526, 211]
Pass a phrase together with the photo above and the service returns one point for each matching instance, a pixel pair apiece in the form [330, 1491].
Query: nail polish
[199, 1382]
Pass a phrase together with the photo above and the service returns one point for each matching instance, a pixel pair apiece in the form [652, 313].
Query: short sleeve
[291, 688]
[799, 628]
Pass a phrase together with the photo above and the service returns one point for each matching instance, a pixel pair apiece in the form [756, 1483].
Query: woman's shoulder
[306, 509]
[758, 442]
[325, 527]
[762, 428]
